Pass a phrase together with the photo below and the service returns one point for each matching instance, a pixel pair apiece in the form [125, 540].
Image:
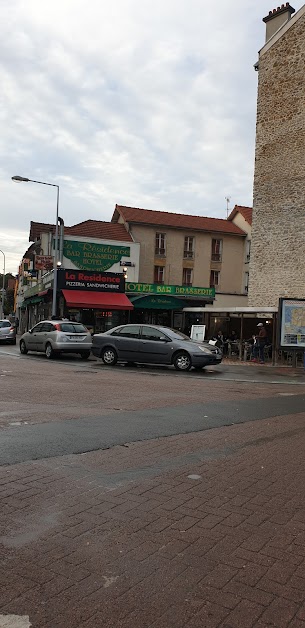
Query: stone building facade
[277, 266]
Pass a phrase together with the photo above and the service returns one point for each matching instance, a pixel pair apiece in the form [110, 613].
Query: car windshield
[5, 324]
[73, 328]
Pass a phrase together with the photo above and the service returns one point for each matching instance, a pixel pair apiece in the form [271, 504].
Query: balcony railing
[160, 252]
[216, 257]
[188, 254]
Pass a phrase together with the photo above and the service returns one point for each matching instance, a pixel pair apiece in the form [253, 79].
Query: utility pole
[3, 285]
[228, 198]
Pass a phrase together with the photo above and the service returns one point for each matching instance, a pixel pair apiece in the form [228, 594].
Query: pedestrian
[259, 346]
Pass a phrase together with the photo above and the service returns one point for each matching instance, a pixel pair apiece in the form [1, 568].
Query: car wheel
[49, 351]
[182, 361]
[85, 355]
[23, 348]
[109, 356]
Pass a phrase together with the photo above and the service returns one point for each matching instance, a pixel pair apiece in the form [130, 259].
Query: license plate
[75, 338]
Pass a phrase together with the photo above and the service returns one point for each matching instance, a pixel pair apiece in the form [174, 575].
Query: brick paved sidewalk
[197, 531]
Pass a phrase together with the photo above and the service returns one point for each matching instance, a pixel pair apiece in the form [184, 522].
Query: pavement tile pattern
[124, 538]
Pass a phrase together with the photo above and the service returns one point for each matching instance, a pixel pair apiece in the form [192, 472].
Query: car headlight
[205, 350]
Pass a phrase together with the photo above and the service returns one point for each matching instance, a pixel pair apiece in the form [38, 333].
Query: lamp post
[55, 265]
[2, 302]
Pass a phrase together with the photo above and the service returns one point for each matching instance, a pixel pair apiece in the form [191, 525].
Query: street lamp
[2, 302]
[55, 265]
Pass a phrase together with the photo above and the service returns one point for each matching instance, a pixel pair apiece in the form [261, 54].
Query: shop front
[164, 304]
[97, 300]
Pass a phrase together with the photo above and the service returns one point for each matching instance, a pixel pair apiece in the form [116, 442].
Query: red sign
[43, 262]
[88, 280]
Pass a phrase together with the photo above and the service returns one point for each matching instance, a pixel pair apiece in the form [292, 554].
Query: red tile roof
[36, 228]
[178, 221]
[246, 212]
[100, 229]
[88, 228]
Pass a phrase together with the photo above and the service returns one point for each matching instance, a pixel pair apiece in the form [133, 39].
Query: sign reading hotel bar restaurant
[182, 291]
[292, 323]
[43, 262]
[92, 256]
[84, 280]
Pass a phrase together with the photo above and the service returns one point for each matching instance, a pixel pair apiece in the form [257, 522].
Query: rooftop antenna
[228, 198]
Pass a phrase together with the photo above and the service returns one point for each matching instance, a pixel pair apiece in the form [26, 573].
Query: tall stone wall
[277, 264]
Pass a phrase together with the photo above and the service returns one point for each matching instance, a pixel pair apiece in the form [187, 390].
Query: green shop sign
[97, 257]
[178, 291]
[155, 302]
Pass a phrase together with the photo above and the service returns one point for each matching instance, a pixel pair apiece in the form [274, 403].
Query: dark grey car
[151, 344]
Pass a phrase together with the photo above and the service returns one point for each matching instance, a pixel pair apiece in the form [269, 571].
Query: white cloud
[132, 102]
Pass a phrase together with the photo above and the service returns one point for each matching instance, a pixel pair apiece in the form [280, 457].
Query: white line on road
[14, 621]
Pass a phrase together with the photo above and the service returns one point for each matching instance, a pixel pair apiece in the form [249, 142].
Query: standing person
[260, 344]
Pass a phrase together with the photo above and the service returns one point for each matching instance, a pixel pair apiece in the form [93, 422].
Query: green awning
[31, 300]
[157, 302]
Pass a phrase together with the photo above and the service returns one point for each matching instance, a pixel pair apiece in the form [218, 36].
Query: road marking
[14, 621]
[287, 394]
[194, 477]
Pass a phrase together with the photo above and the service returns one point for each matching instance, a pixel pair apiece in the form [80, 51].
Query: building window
[188, 252]
[246, 282]
[214, 279]
[248, 250]
[187, 277]
[216, 250]
[159, 274]
[160, 244]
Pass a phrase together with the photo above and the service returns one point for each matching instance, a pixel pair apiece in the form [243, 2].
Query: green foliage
[9, 302]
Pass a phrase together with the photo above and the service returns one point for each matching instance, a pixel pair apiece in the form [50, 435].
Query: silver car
[151, 344]
[7, 332]
[55, 337]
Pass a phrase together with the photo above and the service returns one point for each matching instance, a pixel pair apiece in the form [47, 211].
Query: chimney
[277, 18]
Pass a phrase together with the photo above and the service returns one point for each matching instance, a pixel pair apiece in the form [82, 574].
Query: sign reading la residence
[94, 255]
[83, 280]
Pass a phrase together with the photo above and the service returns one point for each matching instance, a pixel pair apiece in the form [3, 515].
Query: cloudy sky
[138, 102]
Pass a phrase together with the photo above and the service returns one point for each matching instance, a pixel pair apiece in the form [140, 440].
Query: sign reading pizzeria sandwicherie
[84, 280]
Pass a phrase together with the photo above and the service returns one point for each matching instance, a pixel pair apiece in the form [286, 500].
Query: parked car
[55, 337]
[151, 344]
[7, 332]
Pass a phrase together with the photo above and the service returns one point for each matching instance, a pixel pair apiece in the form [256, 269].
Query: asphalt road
[66, 406]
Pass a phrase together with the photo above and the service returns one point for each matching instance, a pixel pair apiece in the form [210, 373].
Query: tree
[8, 276]
[9, 301]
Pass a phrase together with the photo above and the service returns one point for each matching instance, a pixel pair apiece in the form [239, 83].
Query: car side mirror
[30, 331]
